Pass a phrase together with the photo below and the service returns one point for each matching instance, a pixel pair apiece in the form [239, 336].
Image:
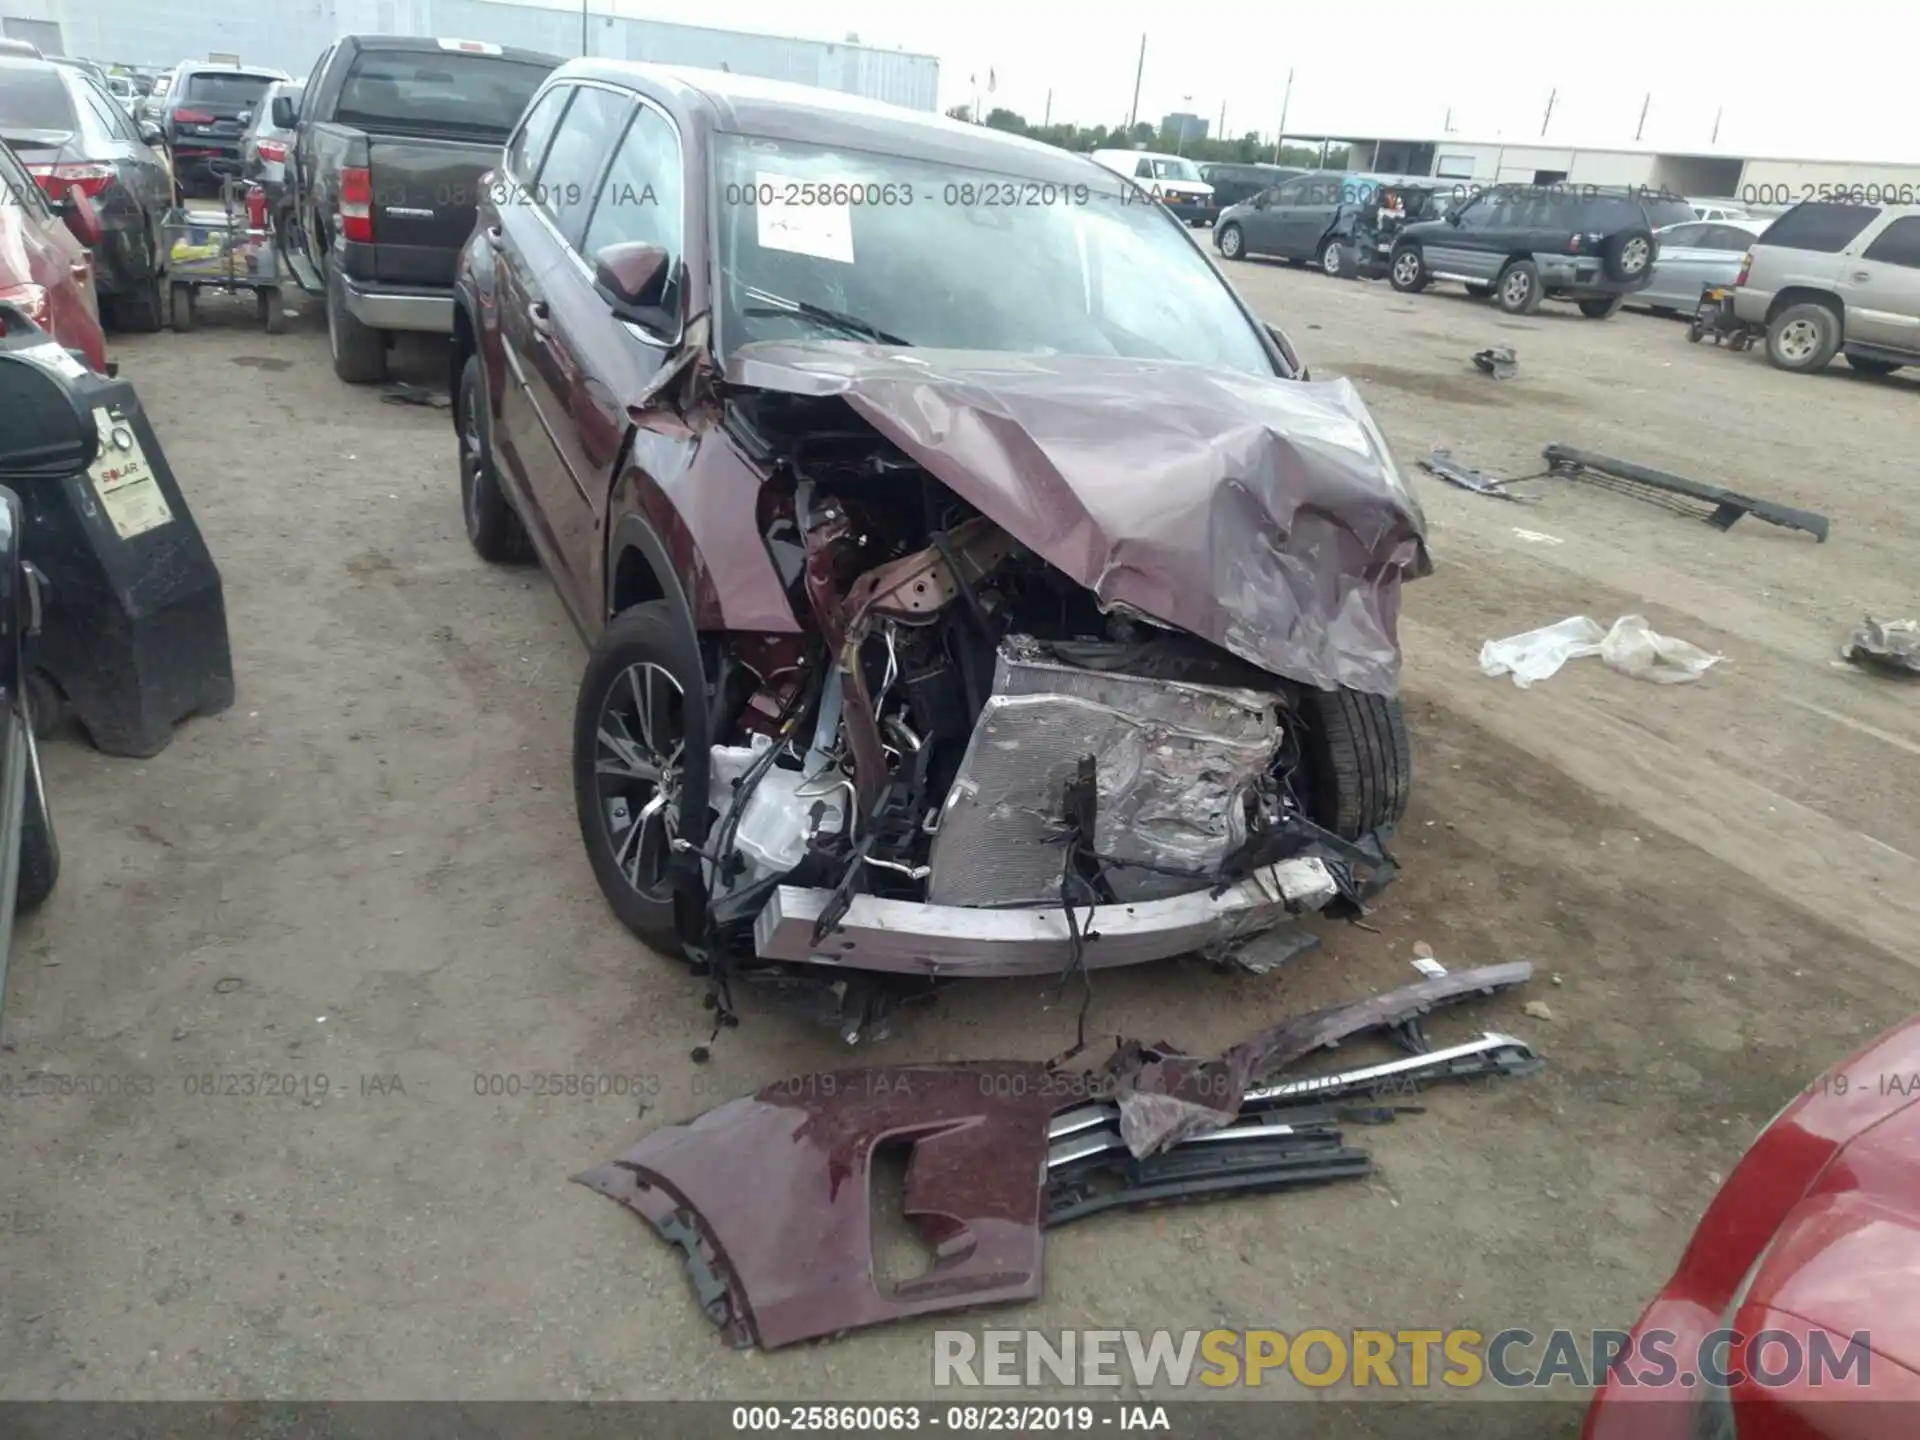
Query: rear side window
[1898, 244]
[438, 90]
[216, 87]
[640, 201]
[1820, 225]
[1695, 235]
[529, 147]
[1726, 237]
[36, 99]
[580, 150]
[1666, 211]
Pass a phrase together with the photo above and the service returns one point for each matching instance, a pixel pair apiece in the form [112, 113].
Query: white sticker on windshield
[799, 216]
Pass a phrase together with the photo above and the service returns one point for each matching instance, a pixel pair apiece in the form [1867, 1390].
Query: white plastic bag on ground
[1631, 647]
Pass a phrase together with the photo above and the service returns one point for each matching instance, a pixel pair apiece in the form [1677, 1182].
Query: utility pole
[1641, 128]
[1446, 126]
[1047, 119]
[1180, 140]
[1716, 125]
[1281, 133]
[1552, 95]
[1222, 132]
[583, 27]
[1133, 117]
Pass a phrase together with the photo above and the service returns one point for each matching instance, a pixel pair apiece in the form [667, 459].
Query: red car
[46, 263]
[1795, 1312]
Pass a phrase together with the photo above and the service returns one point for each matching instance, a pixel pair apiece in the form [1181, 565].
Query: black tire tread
[503, 539]
[1361, 764]
[647, 630]
[39, 848]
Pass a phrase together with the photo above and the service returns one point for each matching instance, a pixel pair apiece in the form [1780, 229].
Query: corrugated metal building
[290, 34]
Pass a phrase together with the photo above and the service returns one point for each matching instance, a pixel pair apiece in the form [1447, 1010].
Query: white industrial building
[1756, 179]
[290, 34]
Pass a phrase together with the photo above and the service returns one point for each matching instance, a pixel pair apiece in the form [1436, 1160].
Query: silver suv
[1830, 277]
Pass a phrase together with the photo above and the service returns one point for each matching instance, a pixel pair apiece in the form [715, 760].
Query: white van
[1173, 180]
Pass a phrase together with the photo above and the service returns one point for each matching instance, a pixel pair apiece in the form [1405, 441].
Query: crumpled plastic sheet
[1632, 647]
[1890, 645]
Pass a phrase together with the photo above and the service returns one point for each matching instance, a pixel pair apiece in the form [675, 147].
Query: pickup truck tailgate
[425, 194]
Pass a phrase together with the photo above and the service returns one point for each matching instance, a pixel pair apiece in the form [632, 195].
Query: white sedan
[1693, 254]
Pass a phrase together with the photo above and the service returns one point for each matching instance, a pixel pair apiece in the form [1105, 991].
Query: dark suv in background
[1521, 244]
[206, 113]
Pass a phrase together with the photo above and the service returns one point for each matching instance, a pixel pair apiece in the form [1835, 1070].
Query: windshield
[1174, 169]
[214, 87]
[426, 90]
[952, 258]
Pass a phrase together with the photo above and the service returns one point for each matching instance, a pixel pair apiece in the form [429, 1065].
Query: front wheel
[1333, 258]
[1871, 367]
[635, 769]
[1359, 765]
[1408, 272]
[1230, 241]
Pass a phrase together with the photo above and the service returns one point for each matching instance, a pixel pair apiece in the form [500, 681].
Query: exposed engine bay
[968, 731]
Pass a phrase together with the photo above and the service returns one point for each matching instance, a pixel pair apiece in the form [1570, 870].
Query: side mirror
[47, 433]
[281, 112]
[634, 277]
[150, 134]
[1453, 217]
[1260, 201]
[82, 219]
[1292, 357]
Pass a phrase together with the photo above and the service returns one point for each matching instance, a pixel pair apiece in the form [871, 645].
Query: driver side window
[1143, 170]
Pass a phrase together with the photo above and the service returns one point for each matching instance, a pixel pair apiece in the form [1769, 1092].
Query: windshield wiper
[846, 324]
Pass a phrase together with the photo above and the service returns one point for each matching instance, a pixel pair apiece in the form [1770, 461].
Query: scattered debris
[227, 984]
[1166, 1097]
[1429, 967]
[1564, 462]
[1269, 950]
[400, 392]
[1538, 1010]
[1535, 537]
[1442, 464]
[1499, 361]
[1001, 1151]
[1891, 646]
[1631, 647]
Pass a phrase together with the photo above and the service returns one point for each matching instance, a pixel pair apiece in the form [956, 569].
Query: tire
[642, 649]
[1229, 241]
[1479, 291]
[1601, 309]
[1332, 259]
[1695, 329]
[182, 304]
[39, 845]
[1407, 270]
[494, 531]
[1359, 765]
[1871, 367]
[1803, 338]
[273, 311]
[359, 351]
[144, 310]
[1517, 291]
[1628, 255]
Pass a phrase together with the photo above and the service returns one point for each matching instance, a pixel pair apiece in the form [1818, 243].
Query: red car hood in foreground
[1265, 515]
[1817, 1234]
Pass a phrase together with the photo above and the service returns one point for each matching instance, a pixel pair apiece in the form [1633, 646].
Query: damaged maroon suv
[973, 585]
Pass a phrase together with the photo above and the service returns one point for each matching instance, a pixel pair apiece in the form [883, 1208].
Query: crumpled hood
[1263, 515]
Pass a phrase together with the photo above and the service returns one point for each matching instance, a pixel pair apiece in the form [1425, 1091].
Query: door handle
[1861, 275]
[539, 317]
[494, 237]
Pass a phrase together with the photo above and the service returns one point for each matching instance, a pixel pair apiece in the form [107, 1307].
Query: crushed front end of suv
[972, 589]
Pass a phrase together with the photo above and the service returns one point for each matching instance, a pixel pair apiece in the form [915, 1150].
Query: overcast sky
[1827, 80]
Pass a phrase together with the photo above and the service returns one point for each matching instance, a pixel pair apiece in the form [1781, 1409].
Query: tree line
[1248, 149]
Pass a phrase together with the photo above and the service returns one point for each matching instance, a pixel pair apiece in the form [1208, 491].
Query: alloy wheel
[637, 758]
[1406, 267]
[1517, 288]
[1634, 255]
[472, 458]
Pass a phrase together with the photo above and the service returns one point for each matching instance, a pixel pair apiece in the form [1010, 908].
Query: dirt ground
[367, 874]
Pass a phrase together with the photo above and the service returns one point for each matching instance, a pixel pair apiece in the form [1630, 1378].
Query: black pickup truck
[391, 137]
